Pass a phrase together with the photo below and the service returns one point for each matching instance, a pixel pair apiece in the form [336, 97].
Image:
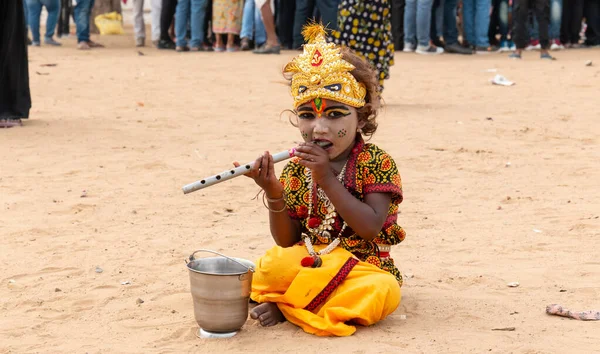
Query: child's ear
[361, 124]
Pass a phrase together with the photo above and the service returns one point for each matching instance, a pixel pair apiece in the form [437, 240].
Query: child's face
[331, 124]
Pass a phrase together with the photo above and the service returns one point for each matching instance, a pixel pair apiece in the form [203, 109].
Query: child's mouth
[324, 144]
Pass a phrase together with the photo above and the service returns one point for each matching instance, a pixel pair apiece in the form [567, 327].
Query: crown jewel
[320, 72]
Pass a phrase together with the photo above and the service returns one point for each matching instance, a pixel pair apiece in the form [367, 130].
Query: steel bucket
[220, 289]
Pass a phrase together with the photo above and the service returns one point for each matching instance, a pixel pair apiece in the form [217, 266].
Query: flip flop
[219, 49]
[9, 123]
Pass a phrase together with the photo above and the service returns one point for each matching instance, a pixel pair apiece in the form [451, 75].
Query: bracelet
[272, 201]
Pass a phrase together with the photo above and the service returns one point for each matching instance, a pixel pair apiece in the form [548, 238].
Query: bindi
[318, 106]
[342, 133]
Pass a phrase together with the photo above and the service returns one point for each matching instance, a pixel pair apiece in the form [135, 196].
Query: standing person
[305, 9]
[139, 26]
[520, 26]
[554, 30]
[82, 14]
[286, 11]
[370, 37]
[570, 26]
[192, 12]
[167, 12]
[15, 97]
[227, 20]
[272, 45]
[450, 30]
[35, 11]
[333, 211]
[417, 27]
[476, 17]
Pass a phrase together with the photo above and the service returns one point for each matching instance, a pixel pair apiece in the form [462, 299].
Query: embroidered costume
[333, 279]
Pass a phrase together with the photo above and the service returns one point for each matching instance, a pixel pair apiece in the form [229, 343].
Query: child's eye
[337, 113]
[306, 115]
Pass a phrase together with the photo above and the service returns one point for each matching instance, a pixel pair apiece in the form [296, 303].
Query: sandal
[219, 49]
[10, 122]
[245, 44]
[95, 45]
[233, 49]
[182, 49]
[83, 46]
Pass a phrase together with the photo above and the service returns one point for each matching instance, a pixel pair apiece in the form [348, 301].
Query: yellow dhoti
[327, 300]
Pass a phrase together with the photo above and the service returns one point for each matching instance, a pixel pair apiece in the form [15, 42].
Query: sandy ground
[131, 130]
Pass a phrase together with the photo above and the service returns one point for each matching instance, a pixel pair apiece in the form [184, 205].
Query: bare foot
[268, 314]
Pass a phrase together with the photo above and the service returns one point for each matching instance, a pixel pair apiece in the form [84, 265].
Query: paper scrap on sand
[502, 81]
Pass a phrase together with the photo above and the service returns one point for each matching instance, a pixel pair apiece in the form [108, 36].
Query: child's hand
[263, 173]
[315, 158]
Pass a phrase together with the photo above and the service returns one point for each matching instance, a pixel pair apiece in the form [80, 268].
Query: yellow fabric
[367, 295]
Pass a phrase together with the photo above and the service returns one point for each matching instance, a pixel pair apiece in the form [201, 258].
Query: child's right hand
[263, 173]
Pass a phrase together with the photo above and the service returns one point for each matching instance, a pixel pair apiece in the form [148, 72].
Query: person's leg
[182, 16]
[248, 20]
[423, 20]
[53, 8]
[494, 22]
[592, 14]
[272, 45]
[520, 17]
[469, 21]
[34, 10]
[155, 9]
[285, 24]
[398, 23]
[482, 23]
[450, 29]
[329, 12]
[433, 23]
[198, 12]
[555, 22]
[139, 27]
[304, 9]
[166, 17]
[410, 25]
[260, 34]
[542, 13]
[503, 20]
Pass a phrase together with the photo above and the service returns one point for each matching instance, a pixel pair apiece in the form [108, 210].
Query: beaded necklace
[321, 227]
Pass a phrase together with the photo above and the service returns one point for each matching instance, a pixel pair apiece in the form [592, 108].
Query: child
[541, 9]
[333, 211]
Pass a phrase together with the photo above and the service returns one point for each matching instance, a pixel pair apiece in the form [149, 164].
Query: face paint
[342, 133]
[318, 106]
[304, 135]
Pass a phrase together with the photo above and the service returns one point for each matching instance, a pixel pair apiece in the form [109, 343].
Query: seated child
[333, 211]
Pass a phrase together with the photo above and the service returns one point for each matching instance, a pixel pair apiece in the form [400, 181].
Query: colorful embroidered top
[368, 170]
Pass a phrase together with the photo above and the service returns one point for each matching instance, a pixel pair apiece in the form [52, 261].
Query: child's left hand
[315, 158]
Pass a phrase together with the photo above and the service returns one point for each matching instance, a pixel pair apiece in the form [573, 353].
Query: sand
[94, 179]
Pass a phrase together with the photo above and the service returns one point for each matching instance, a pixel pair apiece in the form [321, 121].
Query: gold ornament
[320, 72]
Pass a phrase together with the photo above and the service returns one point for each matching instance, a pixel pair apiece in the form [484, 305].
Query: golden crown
[320, 72]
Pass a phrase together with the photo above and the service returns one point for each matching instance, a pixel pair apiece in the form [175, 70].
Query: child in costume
[333, 211]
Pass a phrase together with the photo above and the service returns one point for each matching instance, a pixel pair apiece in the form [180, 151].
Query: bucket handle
[222, 255]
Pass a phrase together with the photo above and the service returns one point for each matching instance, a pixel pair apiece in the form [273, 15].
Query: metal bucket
[220, 289]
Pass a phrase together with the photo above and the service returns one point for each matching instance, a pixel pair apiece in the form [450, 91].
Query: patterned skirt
[365, 27]
[227, 16]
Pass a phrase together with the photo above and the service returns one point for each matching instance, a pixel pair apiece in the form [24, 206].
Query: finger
[305, 156]
[271, 168]
[256, 168]
[236, 164]
[264, 165]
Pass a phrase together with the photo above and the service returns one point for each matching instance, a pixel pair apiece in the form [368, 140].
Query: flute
[235, 172]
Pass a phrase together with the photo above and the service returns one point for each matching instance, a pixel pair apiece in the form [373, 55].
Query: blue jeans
[476, 17]
[555, 22]
[26, 12]
[252, 24]
[194, 12]
[35, 10]
[417, 22]
[503, 12]
[450, 29]
[81, 14]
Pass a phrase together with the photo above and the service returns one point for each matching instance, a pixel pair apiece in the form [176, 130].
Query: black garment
[541, 8]
[398, 24]
[15, 98]
[208, 35]
[66, 9]
[494, 28]
[285, 23]
[328, 10]
[166, 18]
[592, 14]
[572, 14]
